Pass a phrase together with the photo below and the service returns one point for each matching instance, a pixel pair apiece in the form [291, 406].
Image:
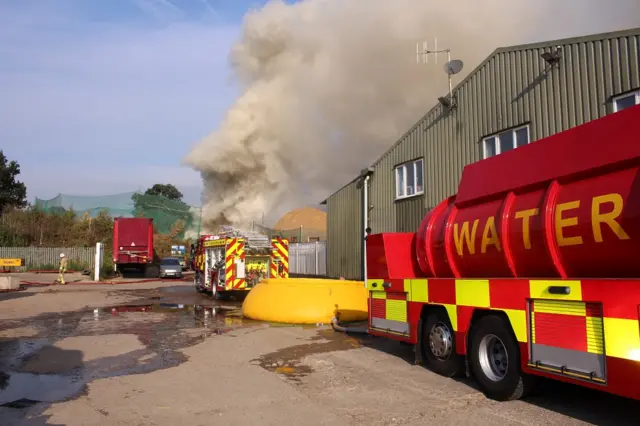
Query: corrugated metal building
[514, 97]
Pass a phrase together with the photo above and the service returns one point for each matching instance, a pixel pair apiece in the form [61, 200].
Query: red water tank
[567, 206]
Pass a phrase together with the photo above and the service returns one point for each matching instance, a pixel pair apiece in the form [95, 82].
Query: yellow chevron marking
[285, 252]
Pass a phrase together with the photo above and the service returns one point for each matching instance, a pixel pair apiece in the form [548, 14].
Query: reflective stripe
[622, 338]
[280, 249]
[473, 293]
[585, 330]
[418, 290]
[539, 289]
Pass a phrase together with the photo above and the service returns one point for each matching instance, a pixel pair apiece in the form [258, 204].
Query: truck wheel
[196, 284]
[439, 346]
[214, 292]
[494, 360]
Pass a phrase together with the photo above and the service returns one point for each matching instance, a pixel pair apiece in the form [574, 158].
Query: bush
[34, 227]
[106, 270]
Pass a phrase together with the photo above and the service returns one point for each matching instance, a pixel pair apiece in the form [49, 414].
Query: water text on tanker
[465, 235]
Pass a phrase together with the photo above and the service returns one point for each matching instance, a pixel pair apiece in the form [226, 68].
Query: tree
[163, 203]
[166, 190]
[12, 192]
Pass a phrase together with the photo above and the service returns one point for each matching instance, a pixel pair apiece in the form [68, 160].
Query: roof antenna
[451, 67]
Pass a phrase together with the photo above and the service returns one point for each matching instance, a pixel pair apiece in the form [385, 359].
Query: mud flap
[417, 348]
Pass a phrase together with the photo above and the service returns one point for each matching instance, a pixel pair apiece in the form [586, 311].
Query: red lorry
[531, 270]
[133, 246]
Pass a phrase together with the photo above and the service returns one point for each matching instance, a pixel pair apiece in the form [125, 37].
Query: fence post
[98, 262]
[317, 270]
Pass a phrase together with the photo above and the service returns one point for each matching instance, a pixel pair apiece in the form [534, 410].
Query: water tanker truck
[531, 270]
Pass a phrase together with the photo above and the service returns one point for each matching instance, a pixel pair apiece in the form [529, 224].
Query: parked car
[170, 267]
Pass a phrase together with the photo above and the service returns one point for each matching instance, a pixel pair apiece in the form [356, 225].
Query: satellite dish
[453, 67]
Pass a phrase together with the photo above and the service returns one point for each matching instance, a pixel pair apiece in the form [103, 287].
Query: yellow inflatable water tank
[306, 301]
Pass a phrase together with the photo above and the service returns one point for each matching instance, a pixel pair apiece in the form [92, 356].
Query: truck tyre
[494, 360]
[215, 293]
[152, 271]
[197, 283]
[439, 346]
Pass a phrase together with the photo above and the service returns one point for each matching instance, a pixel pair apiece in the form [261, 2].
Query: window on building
[625, 101]
[505, 141]
[409, 179]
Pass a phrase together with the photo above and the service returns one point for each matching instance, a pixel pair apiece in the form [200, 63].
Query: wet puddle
[43, 365]
[288, 362]
[34, 369]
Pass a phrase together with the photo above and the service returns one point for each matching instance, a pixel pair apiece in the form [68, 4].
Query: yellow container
[306, 301]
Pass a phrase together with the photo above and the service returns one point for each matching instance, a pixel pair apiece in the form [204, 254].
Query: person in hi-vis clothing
[63, 268]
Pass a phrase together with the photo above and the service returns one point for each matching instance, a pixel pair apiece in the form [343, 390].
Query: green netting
[117, 205]
[170, 217]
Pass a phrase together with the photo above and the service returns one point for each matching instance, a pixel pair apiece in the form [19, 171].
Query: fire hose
[335, 324]
[149, 280]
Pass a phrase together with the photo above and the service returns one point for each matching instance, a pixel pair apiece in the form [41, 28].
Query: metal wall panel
[344, 233]
[308, 258]
[514, 86]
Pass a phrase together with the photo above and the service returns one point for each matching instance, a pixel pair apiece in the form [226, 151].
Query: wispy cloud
[105, 101]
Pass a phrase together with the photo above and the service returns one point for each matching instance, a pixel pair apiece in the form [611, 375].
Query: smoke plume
[329, 85]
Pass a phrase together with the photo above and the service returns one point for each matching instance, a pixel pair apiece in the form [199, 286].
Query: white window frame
[402, 168]
[635, 93]
[496, 137]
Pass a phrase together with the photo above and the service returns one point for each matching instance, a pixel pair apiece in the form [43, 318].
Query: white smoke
[328, 86]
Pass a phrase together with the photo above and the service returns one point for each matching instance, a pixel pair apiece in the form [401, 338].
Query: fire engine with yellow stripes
[531, 270]
[235, 261]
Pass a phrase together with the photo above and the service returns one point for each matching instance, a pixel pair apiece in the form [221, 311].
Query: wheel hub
[493, 357]
[440, 341]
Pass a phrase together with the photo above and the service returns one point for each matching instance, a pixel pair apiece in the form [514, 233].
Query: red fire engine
[234, 261]
[532, 269]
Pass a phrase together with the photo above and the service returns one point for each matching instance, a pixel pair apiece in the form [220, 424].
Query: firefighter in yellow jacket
[63, 268]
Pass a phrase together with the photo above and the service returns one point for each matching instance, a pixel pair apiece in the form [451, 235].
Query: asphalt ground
[158, 353]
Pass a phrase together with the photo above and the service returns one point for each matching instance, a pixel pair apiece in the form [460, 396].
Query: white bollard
[98, 261]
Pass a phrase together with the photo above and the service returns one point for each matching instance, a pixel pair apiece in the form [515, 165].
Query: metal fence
[49, 257]
[308, 258]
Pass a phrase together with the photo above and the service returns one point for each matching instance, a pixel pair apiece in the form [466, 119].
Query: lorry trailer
[531, 270]
[133, 245]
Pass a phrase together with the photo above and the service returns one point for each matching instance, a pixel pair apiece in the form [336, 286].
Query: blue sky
[101, 97]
